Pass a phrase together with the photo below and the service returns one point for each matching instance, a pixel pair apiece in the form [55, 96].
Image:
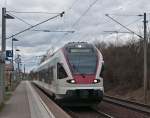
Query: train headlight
[72, 81]
[96, 81]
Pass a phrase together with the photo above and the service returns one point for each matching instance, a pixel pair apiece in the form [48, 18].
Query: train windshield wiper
[77, 70]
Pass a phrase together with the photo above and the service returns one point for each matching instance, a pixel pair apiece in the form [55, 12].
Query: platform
[25, 103]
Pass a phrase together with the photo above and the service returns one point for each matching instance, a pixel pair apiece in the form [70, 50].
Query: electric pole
[145, 59]
[12, 65]
[24, 71]
[3, 49]
[18, 68]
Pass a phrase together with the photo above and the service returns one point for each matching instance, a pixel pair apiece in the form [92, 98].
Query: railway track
[86, 112]
[138, 107]
[102, 113]
[96, 112]
[78, 112]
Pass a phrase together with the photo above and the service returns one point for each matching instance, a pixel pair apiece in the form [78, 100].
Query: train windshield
[82, 60]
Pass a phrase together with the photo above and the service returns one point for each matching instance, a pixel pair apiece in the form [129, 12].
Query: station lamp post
[18, 61]
[13, 39]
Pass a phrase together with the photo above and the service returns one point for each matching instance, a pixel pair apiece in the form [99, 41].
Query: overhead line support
[2, 60]
[123, 26]
[61, 15]
[145, 59]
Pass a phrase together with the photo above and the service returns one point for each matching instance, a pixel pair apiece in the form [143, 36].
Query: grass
[8, 95]
[1, 106]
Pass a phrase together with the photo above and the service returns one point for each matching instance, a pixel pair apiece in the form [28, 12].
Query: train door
[61, 73]
[54, 82]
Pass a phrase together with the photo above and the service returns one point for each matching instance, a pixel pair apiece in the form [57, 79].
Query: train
[73, 75]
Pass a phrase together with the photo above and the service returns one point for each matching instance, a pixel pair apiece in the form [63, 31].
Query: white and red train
[73, 74]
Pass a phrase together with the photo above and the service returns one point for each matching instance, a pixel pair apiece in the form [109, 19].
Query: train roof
[78, 45]
[68, 45]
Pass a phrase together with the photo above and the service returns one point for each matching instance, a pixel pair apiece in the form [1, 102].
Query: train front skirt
[80, 97]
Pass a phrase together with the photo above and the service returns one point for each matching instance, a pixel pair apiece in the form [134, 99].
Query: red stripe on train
[84, 79]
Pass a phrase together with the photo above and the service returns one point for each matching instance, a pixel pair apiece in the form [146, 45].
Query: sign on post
[9, 53]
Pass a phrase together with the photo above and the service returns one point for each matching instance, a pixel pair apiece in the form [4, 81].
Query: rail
[128, 104]
[81, 112]
[102, 113]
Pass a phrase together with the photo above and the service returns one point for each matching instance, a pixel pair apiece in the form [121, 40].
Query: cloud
[89, 28]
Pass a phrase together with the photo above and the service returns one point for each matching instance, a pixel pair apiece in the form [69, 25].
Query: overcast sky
[89, 27]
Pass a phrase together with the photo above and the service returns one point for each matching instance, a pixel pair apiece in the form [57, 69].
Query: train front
[85, 62]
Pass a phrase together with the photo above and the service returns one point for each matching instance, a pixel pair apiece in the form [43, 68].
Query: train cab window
[61, 73]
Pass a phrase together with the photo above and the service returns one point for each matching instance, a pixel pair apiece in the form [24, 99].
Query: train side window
[61, 73]
[40, 76]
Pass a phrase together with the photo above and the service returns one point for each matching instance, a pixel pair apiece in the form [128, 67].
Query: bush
[124, 65]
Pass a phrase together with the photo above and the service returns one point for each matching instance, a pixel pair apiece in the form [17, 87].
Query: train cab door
[61, 73]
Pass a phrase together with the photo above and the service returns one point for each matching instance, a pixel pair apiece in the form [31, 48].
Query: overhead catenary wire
[21, 19]
[126, 24]
[30, 12]
[82, 15]
[86, 11]
[40, 30]
[124, 14]
[55, 31]
[123, 25]
[66, 11]
[131, 23]
[60, 14]
[72, 5]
